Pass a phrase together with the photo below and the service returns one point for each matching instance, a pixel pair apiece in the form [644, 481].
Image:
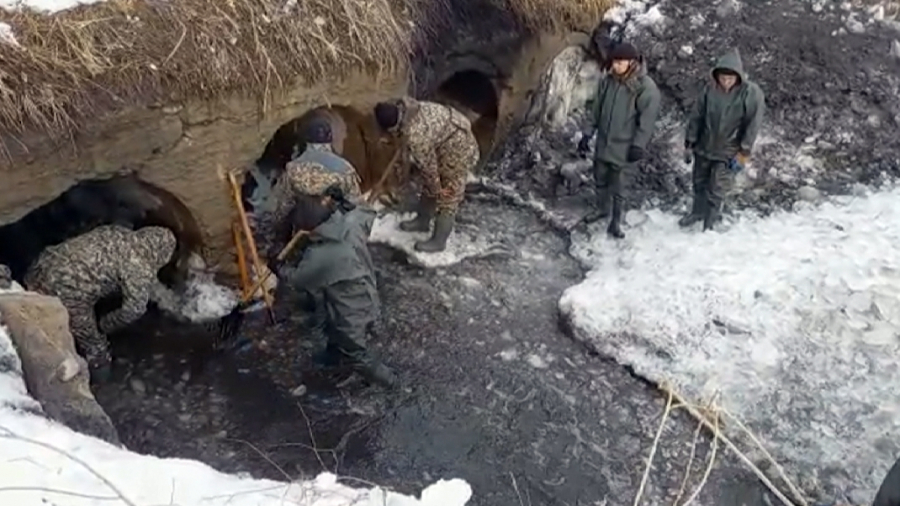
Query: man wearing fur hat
[318, 166]
[437, 139]
[624, 116]
[721, 131]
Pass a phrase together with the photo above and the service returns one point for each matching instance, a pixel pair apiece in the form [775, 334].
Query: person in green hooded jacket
[721, 131]
[624, 114]
[335, 272]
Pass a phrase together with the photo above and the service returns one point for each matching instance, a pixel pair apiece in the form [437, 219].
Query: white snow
[465, 241]
[48, 6]
[7, 36]
[40, 466]
[794, 319]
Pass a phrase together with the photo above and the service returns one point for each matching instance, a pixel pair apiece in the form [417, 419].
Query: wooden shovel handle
[281, 256]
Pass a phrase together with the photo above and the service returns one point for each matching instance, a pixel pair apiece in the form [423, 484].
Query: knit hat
[387, 115]
[624, 51]
[318, 131]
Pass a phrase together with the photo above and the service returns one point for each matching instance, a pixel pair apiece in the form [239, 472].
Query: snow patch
[37, 469]
[794, 319]
[466, 241]
[47, 6]
[7, 36]
[203, 301]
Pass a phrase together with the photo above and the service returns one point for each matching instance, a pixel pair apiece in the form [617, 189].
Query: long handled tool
[231, 323]
[248, 235]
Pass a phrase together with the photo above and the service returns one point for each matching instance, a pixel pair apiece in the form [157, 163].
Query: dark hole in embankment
[473, 93]
[356, 137]
[124, 200]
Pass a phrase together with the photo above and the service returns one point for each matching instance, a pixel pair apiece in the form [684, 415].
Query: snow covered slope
[794, 318]
[46, 463]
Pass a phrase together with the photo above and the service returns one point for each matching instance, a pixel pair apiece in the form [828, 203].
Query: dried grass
[74, 66]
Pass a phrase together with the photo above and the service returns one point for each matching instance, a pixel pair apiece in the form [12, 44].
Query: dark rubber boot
[374, 371]
[424, 214]
[602, 208]
[443, 225]
[697, 214]
[711, 217]
[615, 229]
[328, 358]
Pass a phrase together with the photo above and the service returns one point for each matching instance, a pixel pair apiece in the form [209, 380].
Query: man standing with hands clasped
[624, 118]
[721, 131]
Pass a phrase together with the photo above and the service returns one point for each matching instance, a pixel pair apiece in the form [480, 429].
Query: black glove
[337, 195]
[274, 265]
[584, 145]
[688, 157]
[635, 154]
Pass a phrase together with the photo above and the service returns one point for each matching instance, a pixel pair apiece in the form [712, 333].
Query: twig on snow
[662, 425]
[714, 428]
[8, 434]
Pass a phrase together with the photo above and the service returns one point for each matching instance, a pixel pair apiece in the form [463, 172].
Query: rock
[685, 51]
[138, 386]
[728, 8]
[54, 373]
[895, 49]
[808, 194]
[300, 391]
[854, 25]
[5, 277]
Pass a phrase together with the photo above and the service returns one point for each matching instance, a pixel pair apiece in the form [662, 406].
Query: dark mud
[494, 393]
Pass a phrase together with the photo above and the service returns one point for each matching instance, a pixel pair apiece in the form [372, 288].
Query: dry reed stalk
[73, 67]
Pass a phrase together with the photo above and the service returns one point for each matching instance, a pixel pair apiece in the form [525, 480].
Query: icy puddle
[794, 319]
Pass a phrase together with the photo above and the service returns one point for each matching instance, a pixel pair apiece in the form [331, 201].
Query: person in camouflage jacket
[437, 139]
[97, 264]
[317, 168]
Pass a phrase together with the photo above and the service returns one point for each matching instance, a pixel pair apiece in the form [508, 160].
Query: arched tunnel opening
[473, 93]
[356, 137]
[123, 199]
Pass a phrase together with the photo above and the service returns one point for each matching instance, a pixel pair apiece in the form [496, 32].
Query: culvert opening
[356, 138]
[473, 93]
[123, 200]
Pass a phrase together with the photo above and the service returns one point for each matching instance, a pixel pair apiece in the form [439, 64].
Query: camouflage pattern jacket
[439, 141]
[99, 263]
[311, 173]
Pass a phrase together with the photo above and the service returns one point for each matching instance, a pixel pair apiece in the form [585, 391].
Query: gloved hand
[738, 162]
[688, 152]
[635, 154]
[274, 265]
[584, 145]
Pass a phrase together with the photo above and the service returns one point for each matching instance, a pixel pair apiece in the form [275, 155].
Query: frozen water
[37, 469]
[465, 241]
[48, 6]
[794, 319]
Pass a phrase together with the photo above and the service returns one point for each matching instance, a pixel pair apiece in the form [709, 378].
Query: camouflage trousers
[713, 181]
[453, 182]
[92, 344]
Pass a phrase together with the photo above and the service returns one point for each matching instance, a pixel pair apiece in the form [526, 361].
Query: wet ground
[494, 393]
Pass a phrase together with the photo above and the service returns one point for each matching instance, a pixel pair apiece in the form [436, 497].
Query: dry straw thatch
[92, 59]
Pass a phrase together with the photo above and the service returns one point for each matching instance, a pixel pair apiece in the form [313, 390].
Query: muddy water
[493, 393]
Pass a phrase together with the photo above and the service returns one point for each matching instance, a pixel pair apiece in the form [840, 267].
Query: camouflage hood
[156, 245]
